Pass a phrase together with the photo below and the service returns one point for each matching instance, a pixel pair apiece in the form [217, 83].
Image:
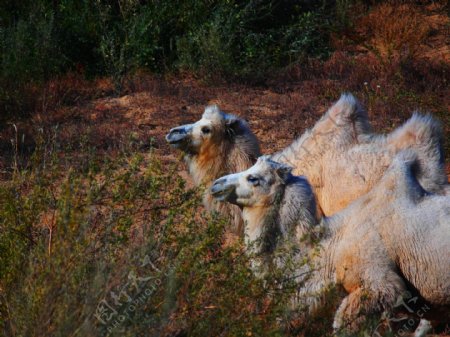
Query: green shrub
[235, 40]
[247, 41]
[39, 40]
[78, 235]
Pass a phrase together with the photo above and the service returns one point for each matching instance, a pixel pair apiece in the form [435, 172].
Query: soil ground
[276, 115]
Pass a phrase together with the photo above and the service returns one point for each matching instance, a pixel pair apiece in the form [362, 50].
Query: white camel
[343, 160]
[216, 145]
[340, 156]
[395, 233]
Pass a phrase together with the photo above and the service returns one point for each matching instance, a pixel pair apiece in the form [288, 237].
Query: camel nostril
[179, 130]
[220, 181]
[215, 184]
[218, 186]
[176, 135]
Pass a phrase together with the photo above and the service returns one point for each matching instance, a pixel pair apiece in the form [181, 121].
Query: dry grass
[277, 113]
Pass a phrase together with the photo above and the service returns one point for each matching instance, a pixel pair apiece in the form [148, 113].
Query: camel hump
[424, 134]
[349, 111]
[402, 175]
[347, 104]
[420, 129]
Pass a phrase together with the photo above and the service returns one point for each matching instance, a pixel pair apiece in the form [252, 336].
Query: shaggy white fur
[339, 156]
[343, 160]
[396, 232]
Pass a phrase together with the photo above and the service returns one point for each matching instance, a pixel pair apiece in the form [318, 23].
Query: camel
[343, 159]
[339, 149]
[217, 144]
[396, 235]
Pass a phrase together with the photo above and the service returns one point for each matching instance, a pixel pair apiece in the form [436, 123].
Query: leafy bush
[96, 246]
[249, 40]
[39, 40]
[42, 39]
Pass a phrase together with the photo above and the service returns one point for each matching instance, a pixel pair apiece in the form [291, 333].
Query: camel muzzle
[223, 191]
[178, 135]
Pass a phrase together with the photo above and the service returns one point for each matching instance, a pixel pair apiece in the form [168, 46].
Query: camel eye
[253, 180]
[206, 130]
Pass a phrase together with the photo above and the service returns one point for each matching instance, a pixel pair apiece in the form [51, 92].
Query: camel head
[210, 131]
[277, 207]
[259, 186]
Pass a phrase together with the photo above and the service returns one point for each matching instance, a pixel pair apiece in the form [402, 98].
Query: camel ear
[283, 171]
[232, 123]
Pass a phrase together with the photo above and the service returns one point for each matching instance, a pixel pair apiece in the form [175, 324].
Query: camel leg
[423, 328]
[348, 312]
[380, 294]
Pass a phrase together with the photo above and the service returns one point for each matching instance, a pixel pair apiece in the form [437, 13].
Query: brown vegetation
[395, 32]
